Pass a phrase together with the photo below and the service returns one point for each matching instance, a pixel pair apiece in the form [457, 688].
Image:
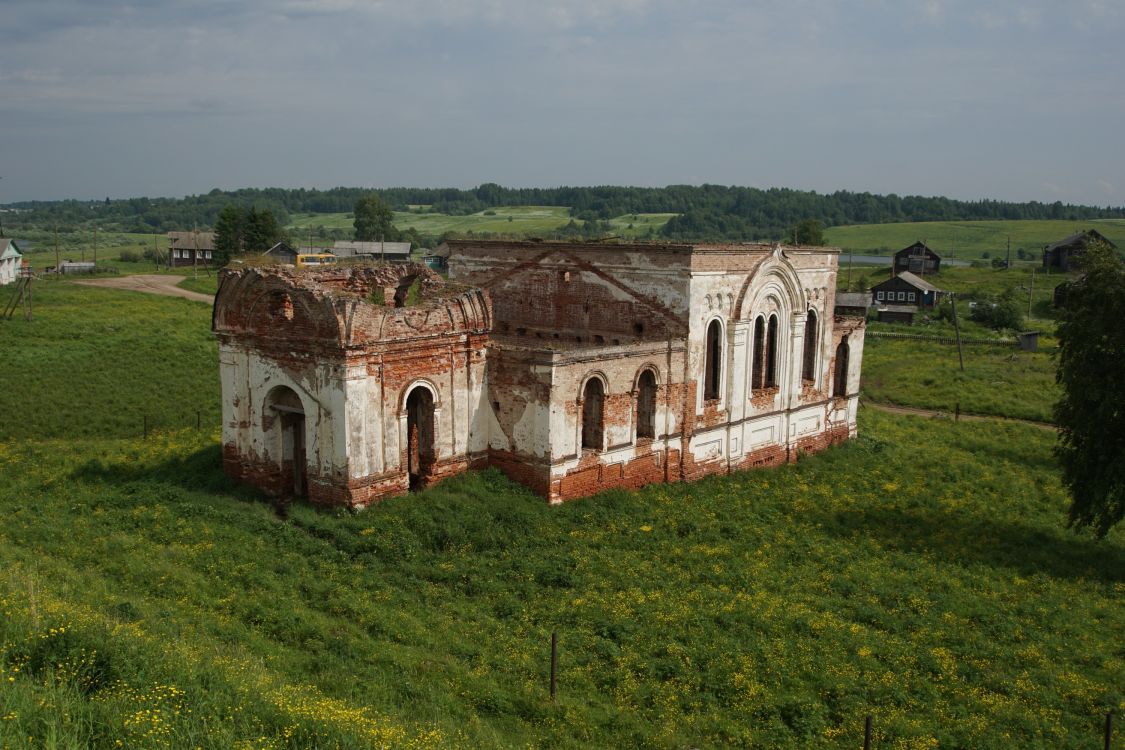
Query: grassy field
[96, 362]
[509, 220]
[204, 283]
[968, 239]
[920, 573]
[997, 381]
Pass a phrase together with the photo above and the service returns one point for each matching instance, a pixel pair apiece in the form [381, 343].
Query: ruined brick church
[572, 367]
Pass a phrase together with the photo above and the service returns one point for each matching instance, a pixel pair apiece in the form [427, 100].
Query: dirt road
[151, 283]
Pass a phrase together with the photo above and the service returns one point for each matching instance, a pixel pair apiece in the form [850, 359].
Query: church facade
[572, 367]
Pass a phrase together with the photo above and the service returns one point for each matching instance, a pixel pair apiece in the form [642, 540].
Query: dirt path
[151, 283]
[893, 409]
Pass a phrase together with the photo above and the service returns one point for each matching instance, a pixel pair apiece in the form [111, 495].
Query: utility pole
[58, 265]
[1008, 262]
[957, 328]
[95, 246]
[382, 254]
[851, 252]
[195, 252]
[1030, 289]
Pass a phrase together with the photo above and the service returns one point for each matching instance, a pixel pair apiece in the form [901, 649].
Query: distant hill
[701, 212]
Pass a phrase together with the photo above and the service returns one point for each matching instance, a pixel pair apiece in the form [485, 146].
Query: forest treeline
[704, 212]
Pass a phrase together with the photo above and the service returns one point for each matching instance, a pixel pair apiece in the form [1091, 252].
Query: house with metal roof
[906, 289]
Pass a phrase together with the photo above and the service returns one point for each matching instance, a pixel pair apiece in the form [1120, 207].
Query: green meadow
[920, 573]
[504, 220]
[969, 240]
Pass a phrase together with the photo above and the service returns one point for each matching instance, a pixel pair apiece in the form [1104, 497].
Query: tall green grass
[98, 362]
[920, 573]
[1000, 381]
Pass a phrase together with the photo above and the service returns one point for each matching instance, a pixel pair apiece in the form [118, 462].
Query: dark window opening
[593, 397]
[646, 405]
[758, 375]
[712, 372]
[771, 354]
[840, 381]
[808, 362]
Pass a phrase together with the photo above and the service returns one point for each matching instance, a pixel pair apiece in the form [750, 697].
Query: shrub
[997, 313]
[130, 256]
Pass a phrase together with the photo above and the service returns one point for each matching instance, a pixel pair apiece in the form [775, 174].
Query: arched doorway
[419, 435]
[284, 405]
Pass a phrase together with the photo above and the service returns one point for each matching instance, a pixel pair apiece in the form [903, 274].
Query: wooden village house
[917, 258]
[190, 248]
[1061, 255]
[906, 289]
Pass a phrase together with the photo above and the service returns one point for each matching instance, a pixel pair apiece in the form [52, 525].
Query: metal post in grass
[145, 422]
[867, 733]
[957, 412]
[1108, 729]
[554, 661]
[198, 419]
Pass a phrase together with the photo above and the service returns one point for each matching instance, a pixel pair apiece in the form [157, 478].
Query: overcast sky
[963, 98]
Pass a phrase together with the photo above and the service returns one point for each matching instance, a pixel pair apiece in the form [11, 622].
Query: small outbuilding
[917, 258]
[853, 303]
[901, 314]
[11, 260]
[906, 289]
[1062, 255]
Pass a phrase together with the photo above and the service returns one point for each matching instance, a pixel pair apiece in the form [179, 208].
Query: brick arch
[647, 366]
[426, 383]
[274, 309]
[776, 274]
[598, 374]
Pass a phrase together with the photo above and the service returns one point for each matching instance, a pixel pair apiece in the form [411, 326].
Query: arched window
[646, 405]
[840, 381]
[771, 354]
[593, 398]
[808, 361]
[713, 371]
[758, 376]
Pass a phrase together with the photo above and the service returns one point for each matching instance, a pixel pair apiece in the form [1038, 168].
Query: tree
[807, 232]
[228, 233]
[260, 230]
[1091, 412]
[373, 220]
